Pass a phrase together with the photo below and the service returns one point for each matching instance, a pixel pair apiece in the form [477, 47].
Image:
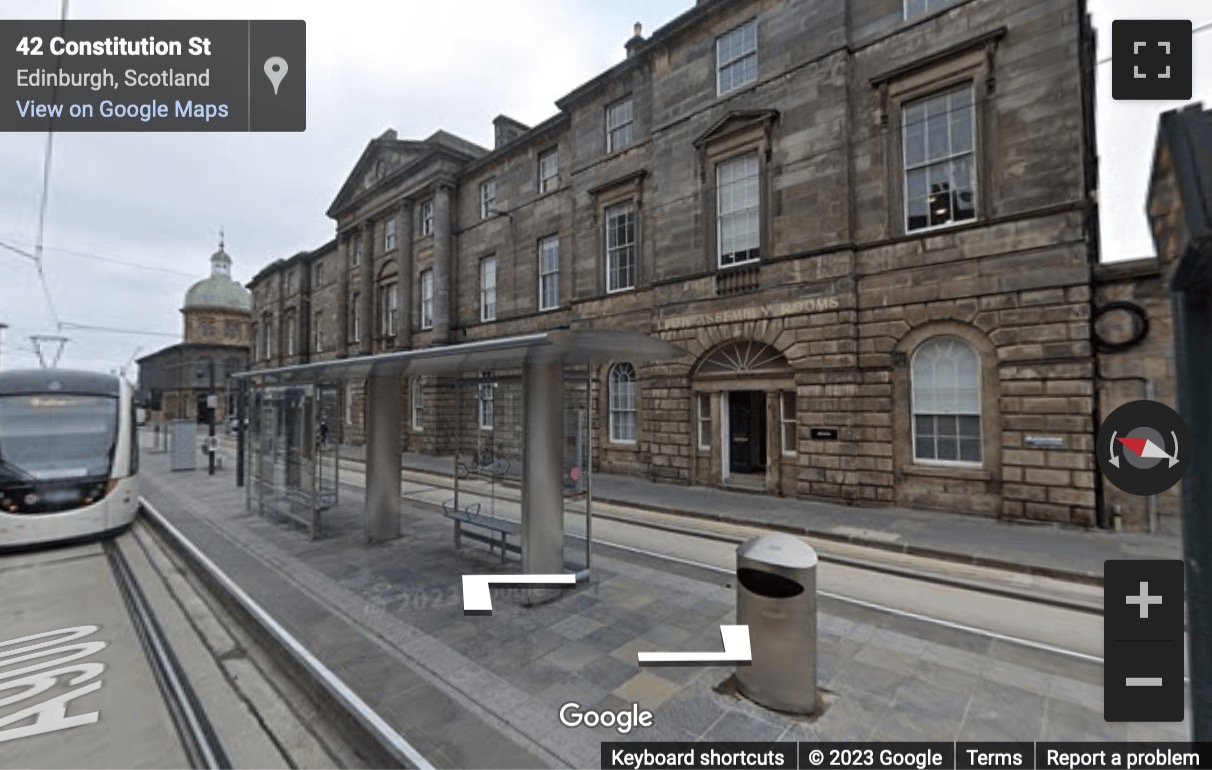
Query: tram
[69, 456]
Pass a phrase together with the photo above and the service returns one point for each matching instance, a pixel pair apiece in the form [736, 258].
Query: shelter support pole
[542, 469]
[241, 437]
[1193, 343]
[383, 417]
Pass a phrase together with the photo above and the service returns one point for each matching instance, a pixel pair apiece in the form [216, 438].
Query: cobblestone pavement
[476, 691]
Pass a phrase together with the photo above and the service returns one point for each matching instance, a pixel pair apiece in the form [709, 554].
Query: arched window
[622, 403]
[946, 402]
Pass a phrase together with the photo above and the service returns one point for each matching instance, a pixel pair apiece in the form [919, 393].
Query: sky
[133, 218]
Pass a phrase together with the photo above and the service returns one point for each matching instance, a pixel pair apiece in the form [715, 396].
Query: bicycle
[484, 462]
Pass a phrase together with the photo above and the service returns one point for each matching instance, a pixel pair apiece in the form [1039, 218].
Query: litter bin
[776, 599]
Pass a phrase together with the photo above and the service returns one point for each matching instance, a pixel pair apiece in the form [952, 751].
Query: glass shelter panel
[293, 459]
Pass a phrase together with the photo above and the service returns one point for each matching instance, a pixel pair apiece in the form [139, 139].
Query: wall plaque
[1044, 441]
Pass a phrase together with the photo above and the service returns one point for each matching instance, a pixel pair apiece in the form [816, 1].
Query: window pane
[915, 136]
[923, 425]
[939, 181]
[961, 126]
[549, 164]
[939, 136]
[917, 198]
[923, 448]
[946, 426]
[946, 400]
[937, 144]
[622, 402]
[970, 450]
[964, 201]
[738, 200]
[620, 249]
[948, 448]
[970, 426]
[939, 131]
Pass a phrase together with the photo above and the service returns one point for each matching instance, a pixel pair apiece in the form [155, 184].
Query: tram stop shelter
[303, 399]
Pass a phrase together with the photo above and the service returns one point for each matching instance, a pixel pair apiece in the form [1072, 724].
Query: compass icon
[1142, 447]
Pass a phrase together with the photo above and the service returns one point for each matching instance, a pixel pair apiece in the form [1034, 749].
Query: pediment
[378, 161]
[735, 123]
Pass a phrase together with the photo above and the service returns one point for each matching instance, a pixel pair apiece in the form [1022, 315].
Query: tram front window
[52, 437]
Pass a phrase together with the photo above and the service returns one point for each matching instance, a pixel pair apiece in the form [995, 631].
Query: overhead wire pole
[130, 361]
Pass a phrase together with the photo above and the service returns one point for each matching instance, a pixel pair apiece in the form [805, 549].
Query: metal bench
[470, 515]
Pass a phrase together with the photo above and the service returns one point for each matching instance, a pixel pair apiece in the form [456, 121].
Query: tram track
[880, 561]
[1032, 611]
[201, 745]
[368, 740]
[139, 696]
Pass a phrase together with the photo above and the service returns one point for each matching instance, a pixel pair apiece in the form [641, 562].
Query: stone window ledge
[947, 472]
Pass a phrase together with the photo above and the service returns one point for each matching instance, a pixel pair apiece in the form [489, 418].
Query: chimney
[506, 129]
[637, 40]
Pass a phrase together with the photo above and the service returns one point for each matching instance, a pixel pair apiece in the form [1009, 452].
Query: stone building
[174, 382]
[871, 224]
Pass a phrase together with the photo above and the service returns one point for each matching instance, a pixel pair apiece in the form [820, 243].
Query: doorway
[746, 432]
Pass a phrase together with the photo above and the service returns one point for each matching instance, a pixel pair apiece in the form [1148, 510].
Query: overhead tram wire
[124, 263]
[46, 172]
[114, 330]
[97, 257]
[898, 127]
[1194, 31]
[18, 251]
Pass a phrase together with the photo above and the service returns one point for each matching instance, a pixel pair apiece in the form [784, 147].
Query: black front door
[747, 431]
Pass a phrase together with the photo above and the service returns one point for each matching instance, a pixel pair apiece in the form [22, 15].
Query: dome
[219, 290]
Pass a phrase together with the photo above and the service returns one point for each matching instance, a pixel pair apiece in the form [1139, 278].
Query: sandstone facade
[874, 236]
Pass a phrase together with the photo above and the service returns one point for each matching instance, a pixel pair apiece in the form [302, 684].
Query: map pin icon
[275, 70]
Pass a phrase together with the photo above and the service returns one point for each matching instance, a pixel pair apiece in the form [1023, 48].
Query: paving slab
[486, 690]
[1039, 548]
